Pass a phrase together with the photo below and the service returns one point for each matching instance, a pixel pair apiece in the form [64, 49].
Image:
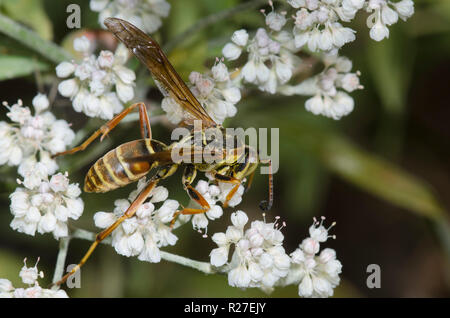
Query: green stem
[211, 19]
[61, 260]
[203, 267]
[32, 40]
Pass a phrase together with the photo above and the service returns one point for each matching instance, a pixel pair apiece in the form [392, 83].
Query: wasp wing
[166, 78]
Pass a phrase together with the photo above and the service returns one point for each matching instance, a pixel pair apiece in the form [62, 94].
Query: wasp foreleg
[189, 175]
[227, 179]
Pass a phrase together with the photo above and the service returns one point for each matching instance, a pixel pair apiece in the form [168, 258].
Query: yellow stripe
[113, 175]
[148, 144]
[104, 184]
[92, 178]
[128, 172]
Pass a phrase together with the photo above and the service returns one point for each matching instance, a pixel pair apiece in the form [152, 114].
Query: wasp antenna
[266, 205]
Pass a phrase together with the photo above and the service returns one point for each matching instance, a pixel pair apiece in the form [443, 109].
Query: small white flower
[239, 219]
[405, 9]
[231, 51]
[220, 72]
[5, 286]
[82, 44]
[275, 21]
[219, 256]
[29, 277]
[64, 69]
[240, 37]
[174, 112]
[146, 15]
[40, 102]
[379, 31]
[68, 87]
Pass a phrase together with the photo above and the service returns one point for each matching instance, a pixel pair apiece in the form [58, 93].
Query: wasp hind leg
[143, 195]
[144, 122]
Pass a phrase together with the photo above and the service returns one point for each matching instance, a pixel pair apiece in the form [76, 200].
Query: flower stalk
[61, 259]
[204, 267]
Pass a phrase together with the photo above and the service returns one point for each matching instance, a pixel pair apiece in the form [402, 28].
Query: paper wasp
[132, 160]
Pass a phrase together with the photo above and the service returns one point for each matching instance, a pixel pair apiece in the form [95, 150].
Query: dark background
[392, 211]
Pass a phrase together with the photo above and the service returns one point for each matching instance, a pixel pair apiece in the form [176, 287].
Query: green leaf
[379, 177]
[390, 63]
[30, 13]
[183, 14]
[17, 66]
[32, 40]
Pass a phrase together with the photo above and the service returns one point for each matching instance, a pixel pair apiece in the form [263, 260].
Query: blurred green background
[382, 173]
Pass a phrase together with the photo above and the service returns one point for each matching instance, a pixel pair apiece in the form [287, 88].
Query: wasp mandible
[133, 160]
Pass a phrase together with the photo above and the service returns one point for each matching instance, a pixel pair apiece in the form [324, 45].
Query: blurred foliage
[35, 17]
[17, 66]
[367, 171]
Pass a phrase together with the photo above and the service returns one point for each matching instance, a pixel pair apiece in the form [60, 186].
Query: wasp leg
[146, 130]
[189, 175]
[186, 211]
[228, 179]
[250, 181]
[105, 233]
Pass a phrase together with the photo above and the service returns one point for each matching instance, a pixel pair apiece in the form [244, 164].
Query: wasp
[133, 160]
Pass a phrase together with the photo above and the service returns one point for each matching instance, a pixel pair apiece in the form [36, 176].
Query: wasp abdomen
[125, 164]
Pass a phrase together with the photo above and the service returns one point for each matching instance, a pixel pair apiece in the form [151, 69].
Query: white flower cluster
[270, 60]
[145, 14]
[91, 90]
[217, 92]
[29, 138]
[316, 24]
[45, 205]
[317, 274]
[213, 194]
[259, 259]
[317, 21]
[147, 231]
[29, 277]
[327, 100]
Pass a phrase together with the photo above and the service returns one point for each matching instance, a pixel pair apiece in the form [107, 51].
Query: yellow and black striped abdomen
[127, 163]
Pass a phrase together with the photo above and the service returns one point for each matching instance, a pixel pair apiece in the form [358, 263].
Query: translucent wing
[167, 79]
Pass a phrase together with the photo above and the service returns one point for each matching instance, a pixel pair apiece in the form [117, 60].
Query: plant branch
[211, 19]
[32, 40]
[61, 259]
[203, 267]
